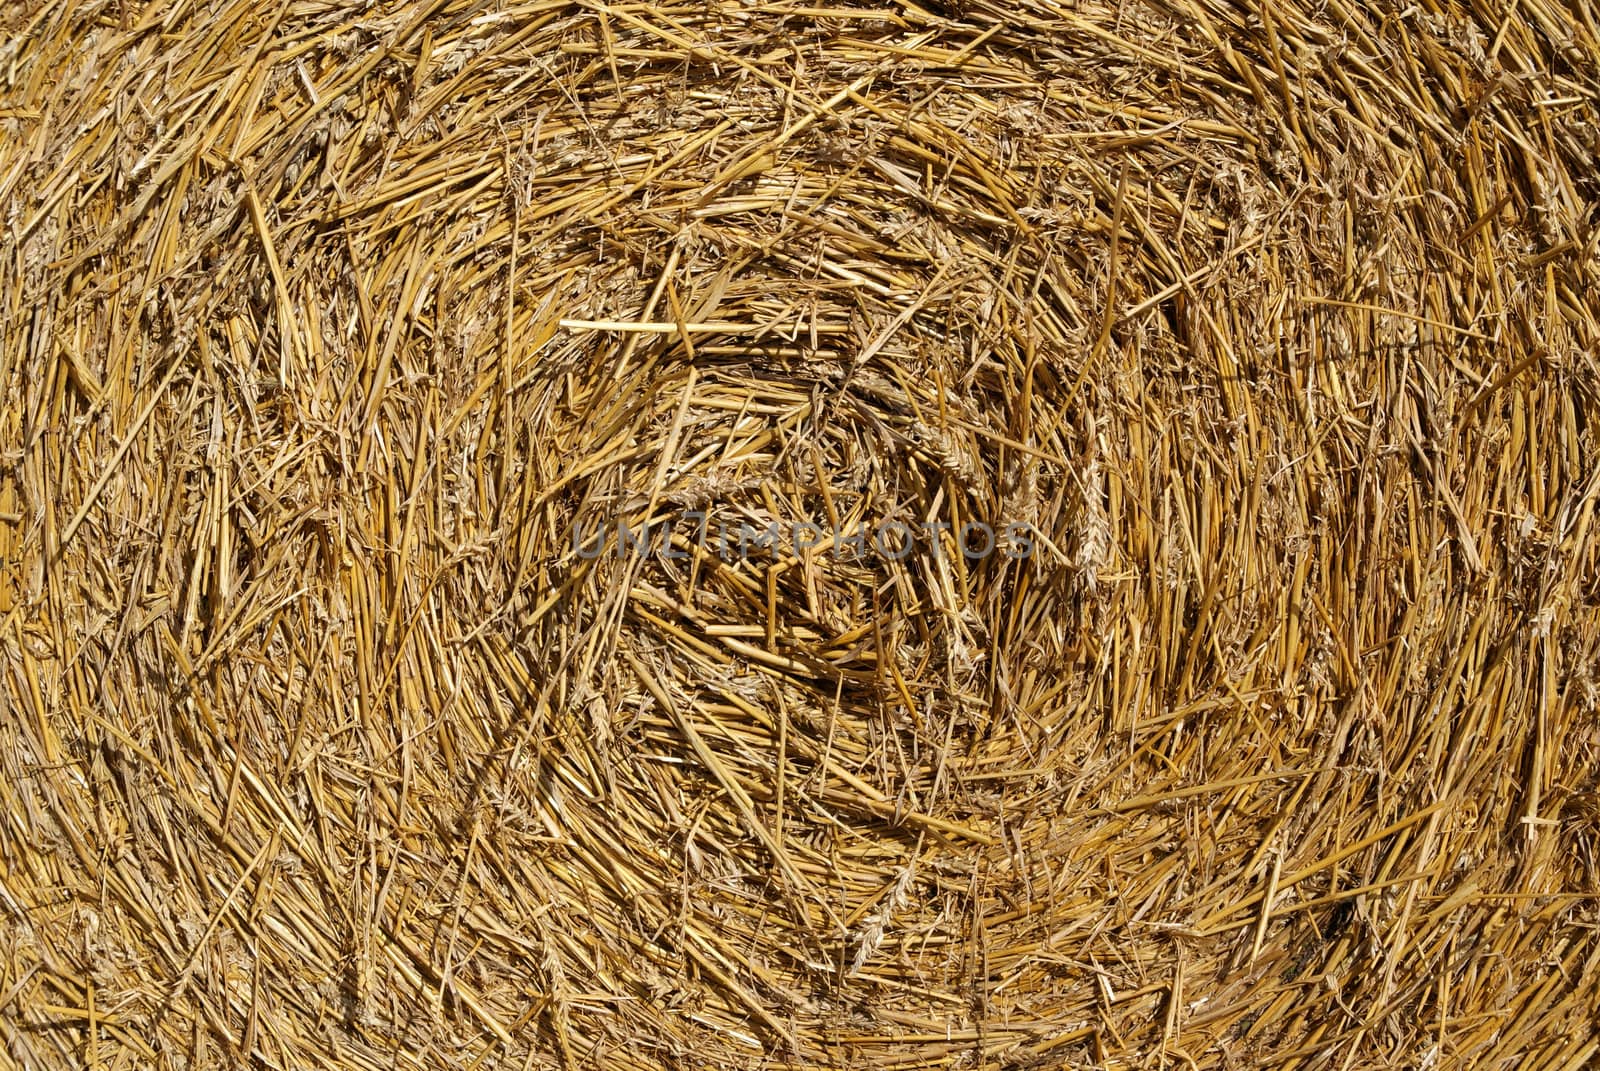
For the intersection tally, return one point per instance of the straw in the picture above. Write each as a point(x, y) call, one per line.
point(1259, 342)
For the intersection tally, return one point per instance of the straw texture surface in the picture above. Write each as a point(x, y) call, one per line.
point(329, 327)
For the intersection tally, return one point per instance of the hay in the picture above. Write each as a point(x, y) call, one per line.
point(324, 325)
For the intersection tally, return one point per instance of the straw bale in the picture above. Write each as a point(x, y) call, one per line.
point(325, 325)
